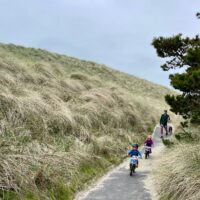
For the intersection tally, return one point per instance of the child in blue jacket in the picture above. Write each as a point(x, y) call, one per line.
point(134, 151)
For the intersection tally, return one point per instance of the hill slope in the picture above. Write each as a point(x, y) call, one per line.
point(64, 121)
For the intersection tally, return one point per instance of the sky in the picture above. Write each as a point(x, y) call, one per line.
point(117, 33)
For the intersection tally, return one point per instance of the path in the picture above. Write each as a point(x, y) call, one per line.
point(118, 185)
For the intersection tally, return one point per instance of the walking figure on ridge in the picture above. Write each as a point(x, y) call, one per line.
point(163, 122)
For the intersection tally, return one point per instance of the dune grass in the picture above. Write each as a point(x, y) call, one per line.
point(178, 173)
point(64, 121)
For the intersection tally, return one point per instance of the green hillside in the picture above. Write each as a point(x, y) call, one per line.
point(65, 121)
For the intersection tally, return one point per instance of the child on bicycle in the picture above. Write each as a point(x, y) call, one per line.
point(149, 142)
point(135, 152)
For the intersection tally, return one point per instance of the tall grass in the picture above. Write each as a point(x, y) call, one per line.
point(64, 121)
point(178, 172)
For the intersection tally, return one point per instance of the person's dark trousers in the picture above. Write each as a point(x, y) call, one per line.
point(165, 127)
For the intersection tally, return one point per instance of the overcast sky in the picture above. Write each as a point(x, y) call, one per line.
point(117, 33)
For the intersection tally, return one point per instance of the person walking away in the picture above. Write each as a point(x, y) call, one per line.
point(163, 122)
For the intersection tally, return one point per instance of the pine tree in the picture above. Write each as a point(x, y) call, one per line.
point(182, 52)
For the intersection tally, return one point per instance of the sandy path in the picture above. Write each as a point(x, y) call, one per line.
point(118, 185)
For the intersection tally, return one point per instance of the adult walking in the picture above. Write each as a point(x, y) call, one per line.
point(163, 122)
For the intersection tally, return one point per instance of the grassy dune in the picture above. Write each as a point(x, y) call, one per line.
point(64, 121)
point(177, 174)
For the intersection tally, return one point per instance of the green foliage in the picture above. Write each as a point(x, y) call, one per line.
point(9, 195)
point(185, 137)
point(168, 143)
point(150, 129)
point(79, 77)
point(183, 52)
point(187, 134)
point(59, 190)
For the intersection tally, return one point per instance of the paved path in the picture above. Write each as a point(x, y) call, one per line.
point(118, 185)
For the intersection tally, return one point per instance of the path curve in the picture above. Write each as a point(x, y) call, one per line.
point(118, 185)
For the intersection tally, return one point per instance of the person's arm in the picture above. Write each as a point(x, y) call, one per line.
point(139, 153)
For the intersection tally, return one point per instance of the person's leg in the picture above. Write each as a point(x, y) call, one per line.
point(170, 130)
point(130, 166)
point(166, 129)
